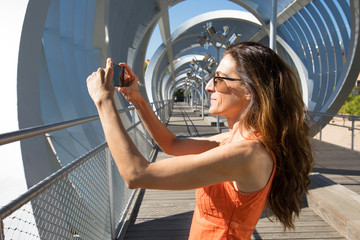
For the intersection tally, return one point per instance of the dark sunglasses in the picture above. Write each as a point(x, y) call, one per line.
point(226, 78)
point(217, 80)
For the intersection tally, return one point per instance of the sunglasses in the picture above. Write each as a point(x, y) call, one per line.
point(219, 83)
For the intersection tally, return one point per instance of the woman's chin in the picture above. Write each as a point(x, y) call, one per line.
point(213, 111)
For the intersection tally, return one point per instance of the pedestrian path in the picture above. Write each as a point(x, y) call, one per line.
point(168, 214)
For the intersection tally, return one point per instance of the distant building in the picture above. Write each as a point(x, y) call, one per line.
point(356, 89)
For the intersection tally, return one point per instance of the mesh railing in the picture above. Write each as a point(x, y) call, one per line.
point(349, 123)
point(86, 199)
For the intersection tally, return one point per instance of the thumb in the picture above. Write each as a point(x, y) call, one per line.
point(124, 90)
point(109, 71)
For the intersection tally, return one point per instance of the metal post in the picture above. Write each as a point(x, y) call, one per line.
point(320, 129)
point(133, 122)
point(202, 98)
point(196, 100)
point(217, 117)
point(2, 236)
point(147, 141)
point(111, 193)
point(191, 99)
point(162, 111)
point(352, 133)
point(273, 24)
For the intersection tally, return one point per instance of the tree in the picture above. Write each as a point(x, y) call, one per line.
point(353, 106)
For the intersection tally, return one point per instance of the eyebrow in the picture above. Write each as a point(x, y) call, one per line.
point(218, 73)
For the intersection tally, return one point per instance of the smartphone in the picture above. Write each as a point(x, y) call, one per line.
point(118, 78)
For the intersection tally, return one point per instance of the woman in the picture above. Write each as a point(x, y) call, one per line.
point(263, 161)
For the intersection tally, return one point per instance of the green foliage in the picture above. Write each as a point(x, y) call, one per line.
point(146, 64)
point(351, 105)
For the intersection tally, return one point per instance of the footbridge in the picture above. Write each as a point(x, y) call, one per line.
point(328, 212)
point(58, 179)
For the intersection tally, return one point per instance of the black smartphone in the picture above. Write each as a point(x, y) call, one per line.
point(118, 78)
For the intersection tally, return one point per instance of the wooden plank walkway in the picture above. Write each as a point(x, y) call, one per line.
point(168, 214)
point(338, 164)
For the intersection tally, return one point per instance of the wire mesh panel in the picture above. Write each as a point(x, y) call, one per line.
point(76, 206)
point(21, 224)
point(83, 200)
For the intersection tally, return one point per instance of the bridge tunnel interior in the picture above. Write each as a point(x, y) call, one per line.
point(62, 42)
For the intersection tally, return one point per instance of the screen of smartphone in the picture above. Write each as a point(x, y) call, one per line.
point(118, 78)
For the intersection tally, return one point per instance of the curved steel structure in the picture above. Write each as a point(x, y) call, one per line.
point(63, 41)
point(318, 38)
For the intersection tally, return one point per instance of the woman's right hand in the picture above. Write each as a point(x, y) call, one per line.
point(131, 89)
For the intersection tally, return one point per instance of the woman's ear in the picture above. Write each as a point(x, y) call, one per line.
point(247, 94)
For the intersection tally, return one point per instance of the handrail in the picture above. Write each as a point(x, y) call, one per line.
point(331, 115)
point(21, 134)
point(40, 187)
point(350, 117)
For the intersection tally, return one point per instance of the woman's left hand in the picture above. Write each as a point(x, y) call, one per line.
point(99, 83)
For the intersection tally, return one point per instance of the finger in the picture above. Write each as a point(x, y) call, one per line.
point(125, 91)
point(109, 70)
point(128, 70)
point(101, 72)
point(122, 90)
point(109, 63)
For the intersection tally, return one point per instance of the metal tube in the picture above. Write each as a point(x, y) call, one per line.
point(111, 193)
point(273, 25)
point(147, 142)
point(133, 120)
point(2, 236)
point(21, 134)
point(47, 182)
point(320, 131)
point(37, 189)
point(352, 133)
point(218, 61)
point(191, 99)
point(38, 130)
point(121, 225)
point(202, 98)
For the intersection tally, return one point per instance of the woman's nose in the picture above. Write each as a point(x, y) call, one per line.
point(210, 87)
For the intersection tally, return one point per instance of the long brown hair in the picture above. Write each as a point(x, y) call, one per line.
point(278, 112)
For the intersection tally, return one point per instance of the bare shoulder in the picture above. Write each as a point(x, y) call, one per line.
point(254, 164)
point(250, 157)
point(247, 148)
point(219, 137)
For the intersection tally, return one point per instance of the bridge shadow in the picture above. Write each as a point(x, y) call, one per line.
point(174, 227)
point(337, 171)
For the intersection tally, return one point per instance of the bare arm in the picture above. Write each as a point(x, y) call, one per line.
point(224, 163)
point(168, 142)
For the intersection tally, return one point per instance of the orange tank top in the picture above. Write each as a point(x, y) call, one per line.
point(222, 212)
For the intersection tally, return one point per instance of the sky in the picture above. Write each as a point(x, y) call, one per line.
point(185, 10)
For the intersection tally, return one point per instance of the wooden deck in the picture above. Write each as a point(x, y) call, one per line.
point(168, 214)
